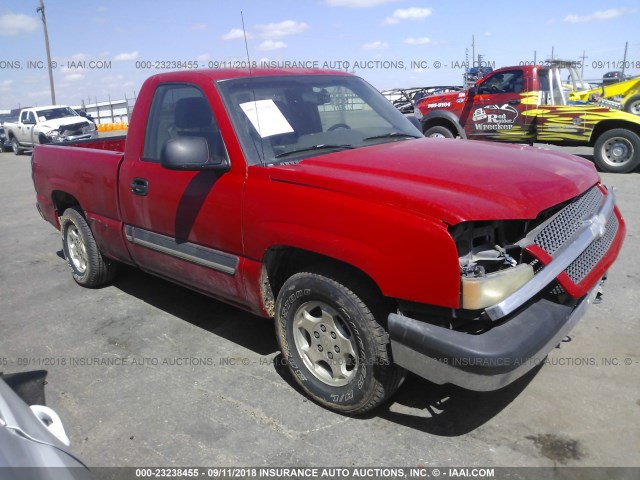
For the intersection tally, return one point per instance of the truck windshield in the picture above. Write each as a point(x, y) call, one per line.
point(288, 118)
point(58, 112)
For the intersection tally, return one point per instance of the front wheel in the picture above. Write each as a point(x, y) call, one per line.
point(617, 151)
point(335, 347)
point(17, 149)
point(88, 267)
point(439, 132)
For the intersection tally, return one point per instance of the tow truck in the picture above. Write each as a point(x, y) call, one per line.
point(530, 103)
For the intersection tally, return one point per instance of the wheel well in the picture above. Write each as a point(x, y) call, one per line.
point(62, 201)
point(606, 125)
point(279, 263)
point(439, 122)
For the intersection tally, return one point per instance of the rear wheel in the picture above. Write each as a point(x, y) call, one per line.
point(633, 105)
point(617, 151)
point(17, 149)
point(439, 132)
point(333, 342)
point(88, 267)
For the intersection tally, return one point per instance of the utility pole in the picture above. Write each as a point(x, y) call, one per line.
point(624, 60)
point(40, 10)
point(473, 49)
point(583, 58)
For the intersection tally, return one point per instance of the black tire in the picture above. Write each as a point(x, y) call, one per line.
point(632, 105)
point(17, 149)
point(345, 364)
point(89, 267)
point(439, 132)
point(617, 151)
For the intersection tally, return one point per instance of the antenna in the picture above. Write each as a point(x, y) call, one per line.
point(246, 45)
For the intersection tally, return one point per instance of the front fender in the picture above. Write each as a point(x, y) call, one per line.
point(436, 117)
point(408, 255)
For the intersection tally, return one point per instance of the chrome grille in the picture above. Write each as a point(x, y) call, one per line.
point(568, 221)
point(588, 259)
point(74, 128)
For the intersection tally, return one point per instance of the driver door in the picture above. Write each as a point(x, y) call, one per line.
point(497, 111)
point(184, 225)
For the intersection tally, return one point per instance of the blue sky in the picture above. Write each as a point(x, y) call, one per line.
point(100, 47)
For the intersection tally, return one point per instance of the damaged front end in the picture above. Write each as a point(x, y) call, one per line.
point(68, 133)
point(523, 285)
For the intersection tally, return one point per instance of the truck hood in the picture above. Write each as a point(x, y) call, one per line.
point(60, 122)
point(451, 180)
point(444, 100)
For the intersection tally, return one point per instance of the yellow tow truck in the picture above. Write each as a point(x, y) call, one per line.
point(624, 95)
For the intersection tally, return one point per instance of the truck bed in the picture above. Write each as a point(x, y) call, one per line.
point(87, 171)
point(113, 143)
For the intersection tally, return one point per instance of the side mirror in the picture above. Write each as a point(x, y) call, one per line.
point(472, 91)
point(191, 153)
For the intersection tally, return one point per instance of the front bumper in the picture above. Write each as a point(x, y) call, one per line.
point(73, 138)
point(488, 361)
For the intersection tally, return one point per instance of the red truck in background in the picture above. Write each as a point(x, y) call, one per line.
point(530, 104)
point(306, 197)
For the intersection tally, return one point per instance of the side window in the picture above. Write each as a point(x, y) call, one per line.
point(503, 82)
point(179, 110)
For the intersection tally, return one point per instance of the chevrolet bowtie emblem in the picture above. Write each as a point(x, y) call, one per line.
point(598, 225)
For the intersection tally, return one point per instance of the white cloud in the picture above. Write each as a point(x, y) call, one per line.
point(73, 77)
point(198, 26)
point(271, 45)
point(417, 41)
point(78, 57)
point(126, 56)
point(113, 78)
point(413, 13)
point(5, 85)
point(203, 57)
point(235, 34)
point(377, 45)
point(16, 23)
point(357, 3)
point(600, 15)
point(282, 29)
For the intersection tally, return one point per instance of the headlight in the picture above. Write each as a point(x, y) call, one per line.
point(484, 291)
point(52, 134)
point(89, 128)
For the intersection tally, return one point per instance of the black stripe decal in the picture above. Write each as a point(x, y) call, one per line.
point(207, 257)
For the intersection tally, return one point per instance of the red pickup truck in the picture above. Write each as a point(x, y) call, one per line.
point(305, 196)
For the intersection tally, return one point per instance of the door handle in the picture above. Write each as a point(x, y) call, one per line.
point(514, 102)
point(139, 186)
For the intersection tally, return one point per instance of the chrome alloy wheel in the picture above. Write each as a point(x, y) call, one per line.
point(76, 248)
point(325, 343)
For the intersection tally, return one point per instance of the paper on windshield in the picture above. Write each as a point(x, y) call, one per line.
point(266, 117)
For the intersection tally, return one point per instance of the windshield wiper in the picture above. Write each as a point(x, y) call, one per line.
point(315, 147)
point(391, 135)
